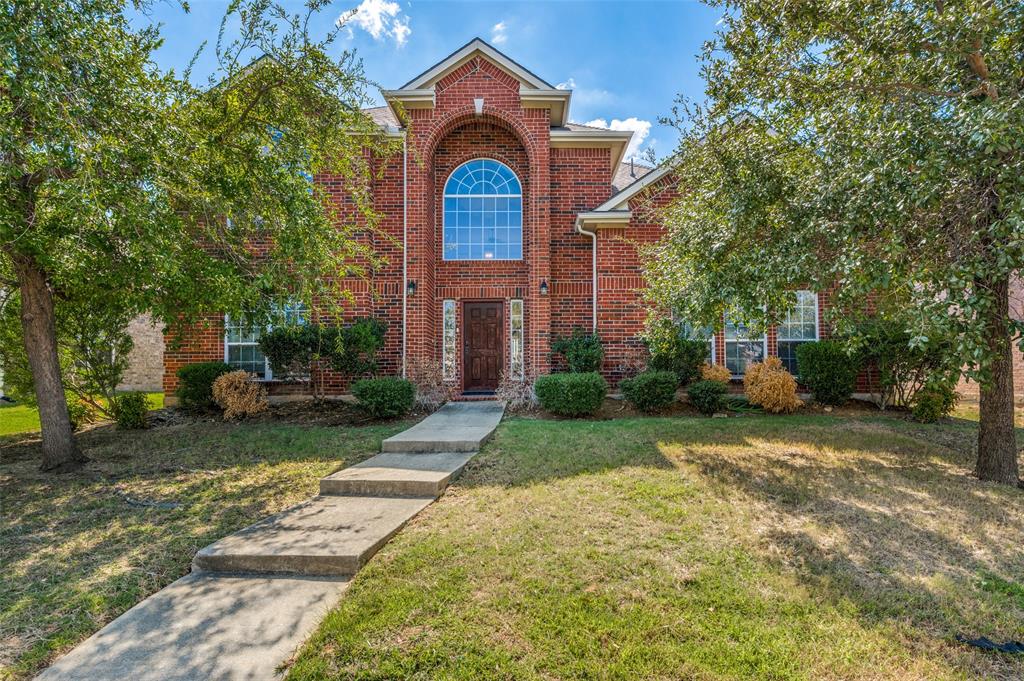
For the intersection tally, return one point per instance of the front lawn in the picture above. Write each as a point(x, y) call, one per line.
point(77, 550)
point(803, 547)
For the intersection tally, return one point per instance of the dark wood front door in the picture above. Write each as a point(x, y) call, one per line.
point(483, 350)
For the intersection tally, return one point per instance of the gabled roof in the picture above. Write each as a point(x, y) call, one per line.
point(464, 54)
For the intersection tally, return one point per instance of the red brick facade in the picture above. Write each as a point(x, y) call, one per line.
point(565, 171)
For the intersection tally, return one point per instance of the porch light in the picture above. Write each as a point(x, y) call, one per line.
point(544, 287)
point(410, 288)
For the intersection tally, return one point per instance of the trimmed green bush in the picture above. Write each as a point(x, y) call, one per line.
point(673, 350)
point(707, 396)
point(290, 349)
point(934, 402)
point(195, 384)
point(828, 370)
point(582, 351)
point(650, 391)
point(574, 394)
point(130, 410)
point(385, 398)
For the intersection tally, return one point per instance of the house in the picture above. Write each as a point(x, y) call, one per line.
point(509, 225)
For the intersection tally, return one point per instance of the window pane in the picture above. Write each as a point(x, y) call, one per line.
point(485, 195)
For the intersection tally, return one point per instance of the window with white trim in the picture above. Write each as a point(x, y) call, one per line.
point(449, 346)
point(701, 333)
point(742, 347)
point(515, 336)
point(242, 341)
point(483, 212)
point(800, 326)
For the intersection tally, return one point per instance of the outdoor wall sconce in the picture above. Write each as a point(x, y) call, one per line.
point(544, 287)
point(410, 288)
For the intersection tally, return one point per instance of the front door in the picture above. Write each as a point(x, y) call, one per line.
point(483, 348)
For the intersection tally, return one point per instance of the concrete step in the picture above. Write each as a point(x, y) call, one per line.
point(455, 427)
point(398, 474)
point(327, 535)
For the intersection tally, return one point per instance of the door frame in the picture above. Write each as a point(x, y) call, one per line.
point(464, 332)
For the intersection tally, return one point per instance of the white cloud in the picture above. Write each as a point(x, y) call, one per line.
point(498, 34)
point(382, 19)
point(641, 129)
point(569, 84)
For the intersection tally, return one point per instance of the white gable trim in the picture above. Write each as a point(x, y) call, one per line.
point(467, 52)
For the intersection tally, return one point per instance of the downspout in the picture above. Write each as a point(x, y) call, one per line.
point(405, 244)
point(593, 267)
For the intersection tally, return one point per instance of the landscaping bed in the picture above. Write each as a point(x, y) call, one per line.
point(785, 547)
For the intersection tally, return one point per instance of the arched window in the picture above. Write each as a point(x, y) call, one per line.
point(483, 212)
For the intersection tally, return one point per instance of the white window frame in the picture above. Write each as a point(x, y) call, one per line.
point(817, 325)
point(521, 373)
point(522, 212)
point(725, 344)
point(268, 373)
point(692, 335)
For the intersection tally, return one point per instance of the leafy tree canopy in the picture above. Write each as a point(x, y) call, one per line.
point(872, 145)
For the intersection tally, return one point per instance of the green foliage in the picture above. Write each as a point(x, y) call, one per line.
point(79, 412)
point(290, 350)
point(572, 394)
point(129, 410)
point(905, 363)
point(385, 398)
point(672, 350)
point(829, 370)
point(582, 351)
point(353, 349)
point(934, 402)
point(708, 397)
point(195, 384)
point(650, 391)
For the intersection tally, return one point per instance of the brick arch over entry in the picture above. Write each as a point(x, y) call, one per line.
point(442, 141)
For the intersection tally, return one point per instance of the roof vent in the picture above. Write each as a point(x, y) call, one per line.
point(632, 170)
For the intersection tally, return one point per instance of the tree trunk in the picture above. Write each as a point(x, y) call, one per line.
point(60, 453)
point(997, 442)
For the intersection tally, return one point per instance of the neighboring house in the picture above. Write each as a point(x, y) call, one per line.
point(507, 225)
point(146, 360)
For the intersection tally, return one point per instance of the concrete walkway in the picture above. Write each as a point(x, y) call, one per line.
point(255, 595)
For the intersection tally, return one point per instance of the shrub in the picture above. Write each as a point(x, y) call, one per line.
point(828, 370)
point(707, 396)
point(575, 394)
point(385, 398)
point(290, 349)
point(934, 402)
point(582, 351)
point(651, 390)
point(672, 350)
point(716, 373)
point(79, 413)
point(195, 387)
point(771, 387)
point(428, 377)
point(130, 410)
point(353, 349)
point(239, 395)
point(517, 394)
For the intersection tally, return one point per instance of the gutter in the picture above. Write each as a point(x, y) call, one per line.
point(593, 273)
point(405, 244)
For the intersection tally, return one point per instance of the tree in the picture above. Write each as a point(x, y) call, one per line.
point(872, 145)
point(129, 189)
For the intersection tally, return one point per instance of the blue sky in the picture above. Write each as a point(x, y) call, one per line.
point(626, 61)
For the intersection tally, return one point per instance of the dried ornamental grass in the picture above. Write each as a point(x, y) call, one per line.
point(239, 395)
point(431, 389)
point(771, 387)
point(715, 372)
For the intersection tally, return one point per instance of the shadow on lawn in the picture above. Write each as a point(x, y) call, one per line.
point(878, 513)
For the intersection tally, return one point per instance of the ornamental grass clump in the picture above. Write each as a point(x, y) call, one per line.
point(239, 395)
point(771, 387)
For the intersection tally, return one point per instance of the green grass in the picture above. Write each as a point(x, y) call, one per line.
point(77, 550)
point(803, 547)
point(17, 418)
